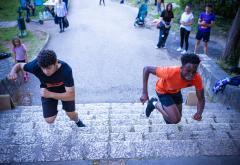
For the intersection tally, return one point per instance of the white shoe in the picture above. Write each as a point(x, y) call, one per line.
point(179, 49)
point(184, 52)
point(156, 47)
point(164, 47)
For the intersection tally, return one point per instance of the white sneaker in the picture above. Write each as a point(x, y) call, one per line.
point(156, 47)
point(184, 52)
point(164, 47)
point(179, 49)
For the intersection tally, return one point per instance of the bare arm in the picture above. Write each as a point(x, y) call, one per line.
point(199, 21)
point(69, 95)
point(16, 68)
point(146, 71)
point(211, 24)
point(158, 20)
point(190, 23)
point(200, 104)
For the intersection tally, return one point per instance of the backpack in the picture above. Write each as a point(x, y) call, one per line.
point(221, 84)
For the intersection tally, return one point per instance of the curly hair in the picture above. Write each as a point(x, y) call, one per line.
point(190, 58)
point(46, 58)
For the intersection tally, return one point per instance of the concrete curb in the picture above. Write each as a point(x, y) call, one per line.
point(46, 41)
point(211, 73)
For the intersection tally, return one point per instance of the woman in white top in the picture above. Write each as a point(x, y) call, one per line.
point(186, 21)
point(60, 11)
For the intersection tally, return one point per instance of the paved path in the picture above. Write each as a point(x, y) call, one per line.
point(7, 24)
point(106, 52)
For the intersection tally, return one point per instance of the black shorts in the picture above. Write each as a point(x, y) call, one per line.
point(50, 106)
point(205, 36)
point(170, 99)
point(21, 61)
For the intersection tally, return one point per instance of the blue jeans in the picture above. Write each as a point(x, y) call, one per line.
point(163, 34)
point(159, 8)
point(60, 22)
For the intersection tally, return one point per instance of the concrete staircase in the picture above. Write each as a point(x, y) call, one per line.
point(117, 131)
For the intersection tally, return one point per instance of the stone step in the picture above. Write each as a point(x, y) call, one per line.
point(102, 108)
point(119, 113)
point(116, 131)
point(56, 151)
point(189, 131)
point(104, 121)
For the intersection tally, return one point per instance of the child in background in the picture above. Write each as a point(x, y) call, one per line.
point(20, 54)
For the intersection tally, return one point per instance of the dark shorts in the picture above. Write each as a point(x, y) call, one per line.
point(21, 61)
point(170, 99)
point(50, 106)
point(205, 36)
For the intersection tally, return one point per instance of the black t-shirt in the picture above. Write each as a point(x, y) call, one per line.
point(167, 16)
point(55, 83)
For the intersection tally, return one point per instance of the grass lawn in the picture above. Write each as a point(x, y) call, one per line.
point(33, 41)
point(8, 10)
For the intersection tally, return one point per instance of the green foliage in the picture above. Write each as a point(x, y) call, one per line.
point(224, 8)
point(226, 67)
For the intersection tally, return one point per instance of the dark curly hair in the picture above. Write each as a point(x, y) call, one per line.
point(190, 58)
point(46, 58)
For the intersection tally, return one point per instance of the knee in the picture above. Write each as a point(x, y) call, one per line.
point(176, 120)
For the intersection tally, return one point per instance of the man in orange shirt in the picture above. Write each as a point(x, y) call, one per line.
point(168, 87)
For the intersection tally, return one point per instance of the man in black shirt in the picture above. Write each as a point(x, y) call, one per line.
point(56, 81)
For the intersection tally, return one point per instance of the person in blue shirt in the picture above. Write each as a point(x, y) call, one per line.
point(205, 22)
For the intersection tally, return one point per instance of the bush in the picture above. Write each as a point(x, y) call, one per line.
point(224, 8)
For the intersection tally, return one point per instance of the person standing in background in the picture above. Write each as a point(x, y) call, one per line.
point(100, 2)
point(60, 11)
point(185, 27)
point(165, 21)
point(159, 5)
point(20, 54)
point(205, 22)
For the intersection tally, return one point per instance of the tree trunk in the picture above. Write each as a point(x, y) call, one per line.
point(231, 53)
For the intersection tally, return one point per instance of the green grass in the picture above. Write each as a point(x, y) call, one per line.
point(6, 34)
point(8, 10)
point(34, 40)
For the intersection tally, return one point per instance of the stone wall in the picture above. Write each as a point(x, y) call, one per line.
point(211, 73)
point(7, 86)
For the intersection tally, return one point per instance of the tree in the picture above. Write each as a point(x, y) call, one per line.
point(231, 53)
